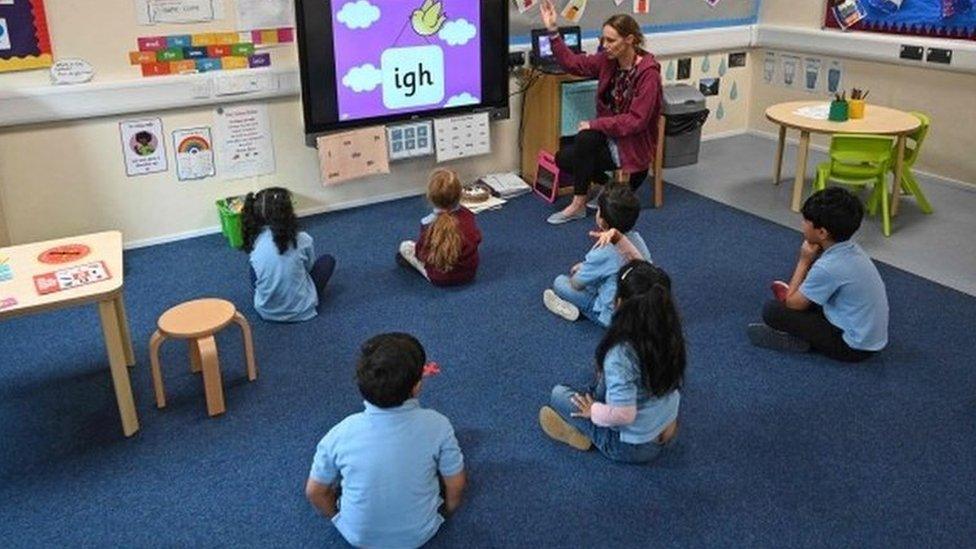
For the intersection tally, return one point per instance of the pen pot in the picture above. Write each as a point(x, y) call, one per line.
point(856, 107)
point(839, 111)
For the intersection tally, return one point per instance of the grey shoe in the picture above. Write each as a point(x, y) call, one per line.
point(762, 335)
point(559, 218)
point(559, 306)
point(594, 203)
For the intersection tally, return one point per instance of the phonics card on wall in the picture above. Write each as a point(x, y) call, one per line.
point(462, 136)
point(353, 154)
point(143, 146)
point(245, 147)
point(152, 12)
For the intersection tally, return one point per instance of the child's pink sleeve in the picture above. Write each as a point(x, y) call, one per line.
point(605, 415)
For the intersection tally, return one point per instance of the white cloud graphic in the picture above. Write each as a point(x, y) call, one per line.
point(462, 99)
point(363, 78)
point(358, 15)
point(458, 32)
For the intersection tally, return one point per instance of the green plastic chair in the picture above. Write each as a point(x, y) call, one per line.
point(913, 145)
point(856, 161)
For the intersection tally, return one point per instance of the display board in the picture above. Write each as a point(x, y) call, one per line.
point(934, 18)
point(663, 15)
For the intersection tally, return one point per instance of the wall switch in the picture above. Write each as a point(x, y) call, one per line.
point(202, 88)
point(939, 55)
point(914, 53)
point(238, 84)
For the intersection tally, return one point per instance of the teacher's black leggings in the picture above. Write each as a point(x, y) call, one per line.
point(587, 160)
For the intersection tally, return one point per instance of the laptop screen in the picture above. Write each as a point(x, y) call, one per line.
point(542, 46)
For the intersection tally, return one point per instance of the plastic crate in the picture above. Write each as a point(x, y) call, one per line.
point(231, 223)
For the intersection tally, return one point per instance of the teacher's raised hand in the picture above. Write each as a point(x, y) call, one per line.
point(548, 15)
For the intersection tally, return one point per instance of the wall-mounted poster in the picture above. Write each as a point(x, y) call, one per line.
point(936, 18)
point(24, 40)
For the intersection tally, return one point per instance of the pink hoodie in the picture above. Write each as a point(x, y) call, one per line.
point(634, 131)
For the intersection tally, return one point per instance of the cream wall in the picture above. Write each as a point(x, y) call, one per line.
point(947, 97)
point(68, 178)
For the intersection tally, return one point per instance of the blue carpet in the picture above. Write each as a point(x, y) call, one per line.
point(774, 450)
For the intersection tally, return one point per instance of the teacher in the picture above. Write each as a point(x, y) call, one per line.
point(628, 105)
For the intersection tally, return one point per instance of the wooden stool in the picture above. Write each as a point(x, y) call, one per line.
point(657, 167)
point(198, 321)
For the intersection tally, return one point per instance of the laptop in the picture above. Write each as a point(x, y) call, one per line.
point(542, 57)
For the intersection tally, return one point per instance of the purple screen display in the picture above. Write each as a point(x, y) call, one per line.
point(396, 56)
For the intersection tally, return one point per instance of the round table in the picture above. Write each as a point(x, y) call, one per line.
point(877, 120)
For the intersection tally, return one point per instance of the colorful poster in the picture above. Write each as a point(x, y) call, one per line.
point(245, 146)
point(143, 147)
point(24, 40)
point(394, 56)
point(935, 18)
point(573, 11)
point(642, 6)
point(525, 5)
point(353, 154)
point(194, 154)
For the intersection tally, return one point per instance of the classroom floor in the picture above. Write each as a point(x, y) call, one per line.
point(738, 171)
point(774, 450)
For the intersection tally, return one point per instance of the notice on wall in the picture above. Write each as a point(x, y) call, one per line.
point(265, 14)
point(143, 147)
point(353, 154)
point(153, 12)
point(770, 64)
point(790, 68)
point(194, 154)
point(835, 76)
point(245, 146)
point(462, 136)
point(812, 74)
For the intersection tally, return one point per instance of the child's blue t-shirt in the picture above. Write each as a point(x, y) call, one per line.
point(622, 380)
point(283, 289)
point(848, 286)
point(387, 461)
point(598, 274)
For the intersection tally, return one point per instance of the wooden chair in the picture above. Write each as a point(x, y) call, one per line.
point(197, 321)
point(657, 167)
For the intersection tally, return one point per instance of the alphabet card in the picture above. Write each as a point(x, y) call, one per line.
point(462, 136)
point(353, 154)
point(71, 277)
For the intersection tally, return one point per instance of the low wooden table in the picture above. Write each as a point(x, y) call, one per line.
point(877, 121)
point(106, 247)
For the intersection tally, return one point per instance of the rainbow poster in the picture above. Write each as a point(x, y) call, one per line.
point(194, 154)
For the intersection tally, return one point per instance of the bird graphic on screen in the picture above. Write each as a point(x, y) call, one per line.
point(429, 18)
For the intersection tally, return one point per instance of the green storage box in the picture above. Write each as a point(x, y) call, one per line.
point(230, 220)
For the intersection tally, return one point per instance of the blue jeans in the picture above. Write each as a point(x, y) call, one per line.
point(583, 299)
point(321, 272)
point(606, 440)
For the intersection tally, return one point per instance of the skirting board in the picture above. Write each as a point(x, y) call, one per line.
point(941, 179)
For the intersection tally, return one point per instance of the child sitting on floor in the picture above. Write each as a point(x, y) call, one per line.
point(288, 286)
point(591, 285)
point(447, 251)
point(376, 474)
point(835, 303)
point(632, 410)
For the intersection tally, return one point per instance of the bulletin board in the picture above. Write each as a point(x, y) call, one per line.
point(932, 18)
point(24, 40)
point(664, 16)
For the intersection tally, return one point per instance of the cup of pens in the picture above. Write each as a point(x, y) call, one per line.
point(856, 104)
point(839, 108)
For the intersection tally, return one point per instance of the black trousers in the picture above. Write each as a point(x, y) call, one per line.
point(588, 159)
point(813, 327)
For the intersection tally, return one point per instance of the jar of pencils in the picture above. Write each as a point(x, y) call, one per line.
point(856, 108)
point(839, 111)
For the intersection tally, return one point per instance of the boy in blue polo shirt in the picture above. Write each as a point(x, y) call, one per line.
point(836, 302)
point(591, 286)
point(376, 474)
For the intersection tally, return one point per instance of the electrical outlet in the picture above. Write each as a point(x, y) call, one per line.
point(914, 53)
point(939, 55)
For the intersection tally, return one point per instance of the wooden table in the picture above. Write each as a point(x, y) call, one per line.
point(107, 247)
point(877, 121)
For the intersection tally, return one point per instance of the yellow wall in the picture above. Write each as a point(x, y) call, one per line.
point(947, 97)
point(68, 178)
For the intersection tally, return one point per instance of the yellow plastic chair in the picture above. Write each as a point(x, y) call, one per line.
point(856, 161)
point(913, 145)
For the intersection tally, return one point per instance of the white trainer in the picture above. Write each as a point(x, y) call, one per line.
point(559, 306)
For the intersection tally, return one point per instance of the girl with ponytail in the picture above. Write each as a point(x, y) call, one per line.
point(288, 281)
point(631, 412)
point(447, 251)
